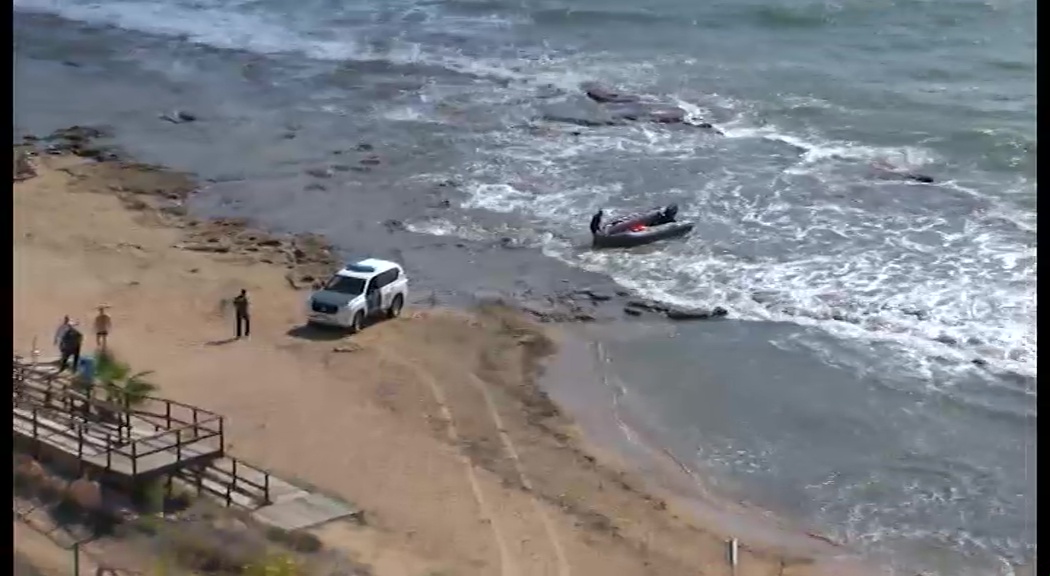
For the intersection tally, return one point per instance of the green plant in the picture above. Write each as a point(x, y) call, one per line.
point(278, 565)
point(148, 495)
point(121, 385)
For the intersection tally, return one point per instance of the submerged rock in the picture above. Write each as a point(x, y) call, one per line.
point(179, 117)
point(675, 313)
point(604, 94)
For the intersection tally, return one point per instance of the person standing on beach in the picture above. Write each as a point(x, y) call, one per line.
point(240, 308)
point(103, 323)
point(69, 347)
point(61, 331)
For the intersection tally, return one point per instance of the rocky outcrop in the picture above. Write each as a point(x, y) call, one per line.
point(620, 107)
point(593, 305)
point(78, 140)
point(605, 95)
point(160, 194)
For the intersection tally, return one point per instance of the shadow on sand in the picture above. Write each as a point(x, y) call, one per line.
point(318, 333)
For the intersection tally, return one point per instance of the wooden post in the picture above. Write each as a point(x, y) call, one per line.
point(733, 556)
point(266, 487)
point(127, 414)
point(76, 559)
point(167, 414)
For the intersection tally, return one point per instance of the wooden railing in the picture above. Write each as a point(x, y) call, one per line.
point(110, 426)
point(231, 481)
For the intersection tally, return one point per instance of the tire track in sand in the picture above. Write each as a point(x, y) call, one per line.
point(564, 569)
point(507, 566)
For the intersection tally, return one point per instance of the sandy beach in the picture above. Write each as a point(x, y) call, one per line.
point(432, 423)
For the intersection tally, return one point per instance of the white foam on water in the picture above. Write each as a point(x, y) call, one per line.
point(239, 25)
point(442, 227)
point(940, 295)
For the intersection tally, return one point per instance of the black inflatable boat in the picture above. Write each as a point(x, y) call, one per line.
point(638, 229)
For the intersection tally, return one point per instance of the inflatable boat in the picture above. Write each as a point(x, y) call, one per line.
point(638, 229)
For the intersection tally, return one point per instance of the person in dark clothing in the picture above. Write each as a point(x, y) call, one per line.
point(240, 308)
point(596, 221)
point(69, 347)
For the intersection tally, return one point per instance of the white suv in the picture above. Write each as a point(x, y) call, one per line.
point(359, 291)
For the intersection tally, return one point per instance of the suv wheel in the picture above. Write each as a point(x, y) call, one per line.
point(395, 307)
point(358, 323)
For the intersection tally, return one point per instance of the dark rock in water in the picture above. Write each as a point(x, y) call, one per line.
point(96, 153)
point(393, 225)
point(915, 312)
point(919, 178)
point(631, 311)
point(594, 296)
point(604, 95)
point(370, 160)
point(585, 122)
point(71, 63)
point(676, 313)
point(315, 186)
point(645, 112)
point(78, 133)
point(319, 172)
point(288, 135)
point(666, 115)
point(179, 117)
point(979, 362)
point(364, 147)
point(709, 126)
point(647, 305)
point(947, 340)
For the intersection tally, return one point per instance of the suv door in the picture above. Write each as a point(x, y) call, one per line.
point(382, 280)
point(373, 297)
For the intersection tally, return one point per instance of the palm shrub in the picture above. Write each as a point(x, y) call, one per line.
point(119, 383)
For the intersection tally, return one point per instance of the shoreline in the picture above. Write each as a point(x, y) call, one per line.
point(304, 258)
point(622, 436)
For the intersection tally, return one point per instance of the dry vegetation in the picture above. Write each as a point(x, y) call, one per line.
point(158, 533)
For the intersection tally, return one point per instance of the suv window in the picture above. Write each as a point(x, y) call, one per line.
point(345, 285)
point(386, 278)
